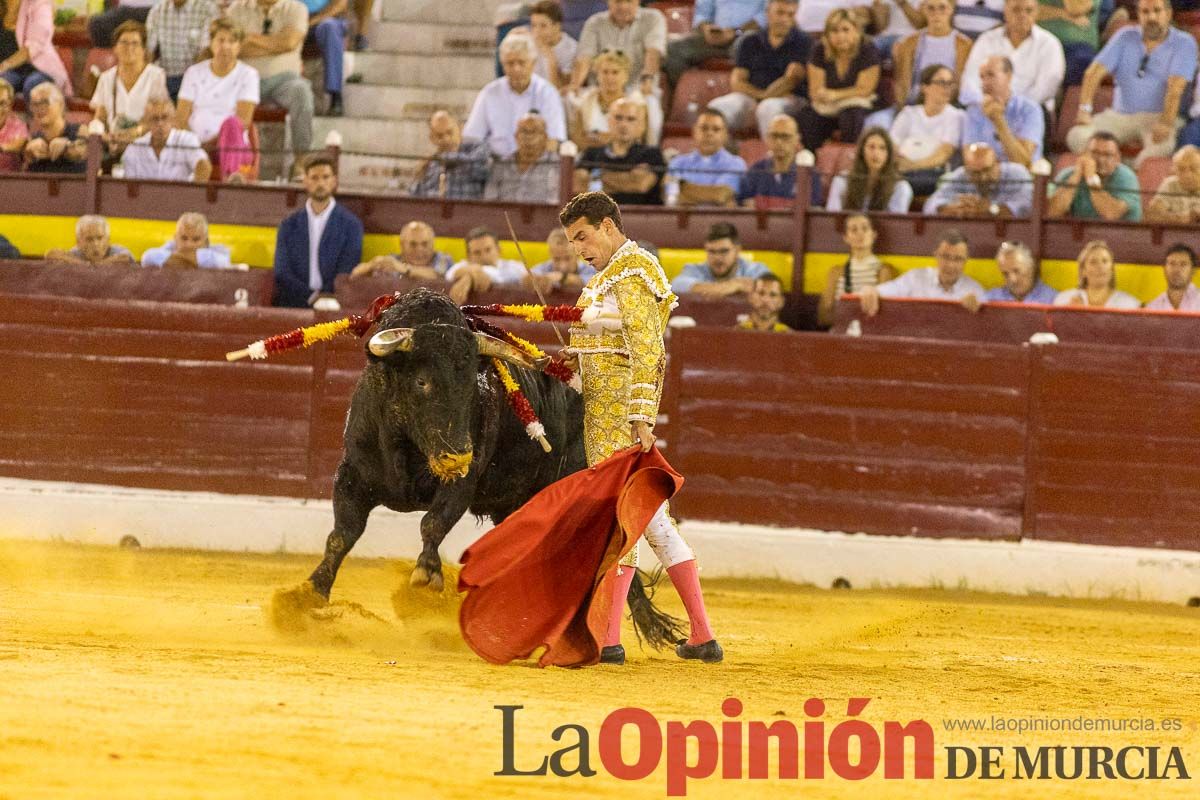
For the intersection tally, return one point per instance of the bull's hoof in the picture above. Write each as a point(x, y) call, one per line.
point(436, 582)
point(292, 608)
point(422, 577)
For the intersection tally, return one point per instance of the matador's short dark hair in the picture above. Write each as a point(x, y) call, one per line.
point(592, 206)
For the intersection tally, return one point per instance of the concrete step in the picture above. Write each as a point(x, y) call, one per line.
point(448, 71)
point(432, 38)
point(478, 12)
point(370, 135)
point(406, 103)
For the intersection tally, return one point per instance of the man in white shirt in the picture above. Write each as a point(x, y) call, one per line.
point(1036, 54)
point(165, 153)
point(275, 31)
point(483, 267)
point(946, 281)
point(502, 102)
point(1181, 293)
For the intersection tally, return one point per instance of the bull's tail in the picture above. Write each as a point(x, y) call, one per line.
point(651, 624)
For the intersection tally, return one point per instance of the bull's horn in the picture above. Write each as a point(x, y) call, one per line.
point(391, 340)
point(491, 347)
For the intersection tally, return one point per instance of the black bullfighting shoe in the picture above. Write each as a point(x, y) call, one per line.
point(710, 652)
point(613, 654)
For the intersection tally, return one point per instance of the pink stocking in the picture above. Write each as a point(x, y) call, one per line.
point(686, 580)
point(621, 582)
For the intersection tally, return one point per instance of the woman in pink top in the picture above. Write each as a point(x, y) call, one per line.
point(27, 54)
point(13, 132)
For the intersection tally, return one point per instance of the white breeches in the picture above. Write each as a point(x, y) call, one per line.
point(662, 534)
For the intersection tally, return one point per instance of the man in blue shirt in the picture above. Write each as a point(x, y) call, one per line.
point(1151, 65)
point(774, 177)
point(1022, 277)
point(1009, 123)
point(1099, 186)
point(716, 26)
point(327, 30)
point(710, 174)
point(724, 272)
point(983, 187)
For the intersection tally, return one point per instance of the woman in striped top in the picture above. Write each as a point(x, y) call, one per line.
point(863, 268)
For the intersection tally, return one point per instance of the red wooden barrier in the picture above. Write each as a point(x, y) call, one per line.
point(874, 435)
point(886, 435)
point(1014, 323)
point(108, 282)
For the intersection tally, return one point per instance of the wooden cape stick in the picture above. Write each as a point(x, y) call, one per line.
point(512, 232)
point(532, 278)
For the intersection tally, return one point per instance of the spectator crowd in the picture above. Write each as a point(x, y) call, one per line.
point(938, 108)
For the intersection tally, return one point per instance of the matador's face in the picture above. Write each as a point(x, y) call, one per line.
point(594, 244)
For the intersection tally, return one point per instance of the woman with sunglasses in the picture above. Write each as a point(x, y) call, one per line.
point(927, 134)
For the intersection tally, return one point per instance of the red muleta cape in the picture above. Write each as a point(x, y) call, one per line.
point(542, 577)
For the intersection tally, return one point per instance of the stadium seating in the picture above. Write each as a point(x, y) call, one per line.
point(695, 88)
point(1069, 111)
point(679, 16)
point(98, 60)
point(1151, 173)
point(752, 150)
point(832, 159)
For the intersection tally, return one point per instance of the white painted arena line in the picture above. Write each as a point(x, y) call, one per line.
point(244, 523)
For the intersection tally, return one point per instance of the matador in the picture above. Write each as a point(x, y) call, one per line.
point(622, 363)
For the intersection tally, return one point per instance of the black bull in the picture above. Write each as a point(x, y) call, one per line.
point(429, 430)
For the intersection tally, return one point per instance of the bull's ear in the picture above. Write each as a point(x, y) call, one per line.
point(392, 340)
point(491, 347)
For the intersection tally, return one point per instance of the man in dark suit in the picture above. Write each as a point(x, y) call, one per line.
point(317, 243)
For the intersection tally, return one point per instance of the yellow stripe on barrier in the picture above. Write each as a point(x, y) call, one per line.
point(255, 245)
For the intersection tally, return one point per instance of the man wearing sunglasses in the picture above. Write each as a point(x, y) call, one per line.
point(1151, 64)
point(275, 31)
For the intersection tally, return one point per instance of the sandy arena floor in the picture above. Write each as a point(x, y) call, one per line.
point(156, 674)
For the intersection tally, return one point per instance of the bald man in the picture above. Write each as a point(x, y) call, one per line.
point(983, 187)
point(629, 171)
point(773, 177)
point(1178, 196)
point(417, 258)
point(456, 169)
point(531, 174)
point(1010, 123)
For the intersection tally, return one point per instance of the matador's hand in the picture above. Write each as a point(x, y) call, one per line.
point(570, 358)
point(642, 435)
